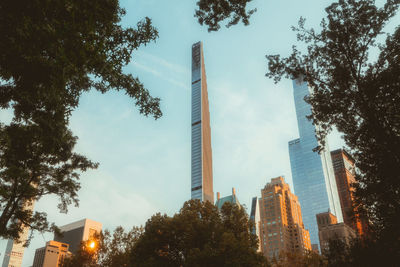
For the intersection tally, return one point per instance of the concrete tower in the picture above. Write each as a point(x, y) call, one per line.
point(15, 248)
point(202, 177)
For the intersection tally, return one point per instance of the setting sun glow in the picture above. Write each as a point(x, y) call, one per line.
point(92, 245)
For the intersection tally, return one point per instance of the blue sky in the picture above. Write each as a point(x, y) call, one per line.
point(145, 164)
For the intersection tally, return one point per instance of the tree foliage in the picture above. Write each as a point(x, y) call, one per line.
point(309, 259)
point(36, 161)
point(199, 235)
point(213, 12)
point(50, 53)
point(108, 251)
point(358, 253)
point(354, 71)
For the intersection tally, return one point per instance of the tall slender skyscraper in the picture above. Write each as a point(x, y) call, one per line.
point(15, 250)
point(313, 178)
point(202, 177)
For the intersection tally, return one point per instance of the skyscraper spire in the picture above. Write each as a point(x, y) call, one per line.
point(202, 176)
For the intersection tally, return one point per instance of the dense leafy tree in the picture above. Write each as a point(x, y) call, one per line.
point(106, 250)
point(309, 259)
point(86, 256)
point(358, 253)
point(36, 160)
point(355, 75)
point(50, 53)
point(212, 12)
point(199, 235)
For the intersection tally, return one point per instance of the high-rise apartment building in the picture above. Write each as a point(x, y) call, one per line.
point(329, 230)
point(75, 233)
point(282, 228)
point(15, 248)
point(313, 178)
point(202, 175)
point(15, 251)
point(343, 166)
point(52, 255)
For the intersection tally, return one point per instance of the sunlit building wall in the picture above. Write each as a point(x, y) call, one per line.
point(15, 251)
point(343, 166)
point(282, 228)
point(15, 248)
point(312, 173)
point(202, 175)
point(52, 255)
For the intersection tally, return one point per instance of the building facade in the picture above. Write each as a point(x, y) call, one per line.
point(15, 248)
point(52, 255)
point(343, 166)
point(329, 230)
point(75, 233)
point(201, 154)
point(230, 199)
point(312, 173)
point(255, 218)
point(282, 228)
point(15, 251)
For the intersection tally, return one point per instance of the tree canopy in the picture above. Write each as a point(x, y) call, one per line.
point(199, 235)
point(213, 12)
point(308, 259)
point(353, 70)
point(109, 250)
point(50, 53)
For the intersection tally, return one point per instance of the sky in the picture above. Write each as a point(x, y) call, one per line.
point(145, 163)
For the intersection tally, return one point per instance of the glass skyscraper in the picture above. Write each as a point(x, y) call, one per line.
point(202, 176)
point(313, 177)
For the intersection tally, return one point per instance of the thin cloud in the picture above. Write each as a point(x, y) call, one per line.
point(252, 145)
point(160, 61)
point(160, 75)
